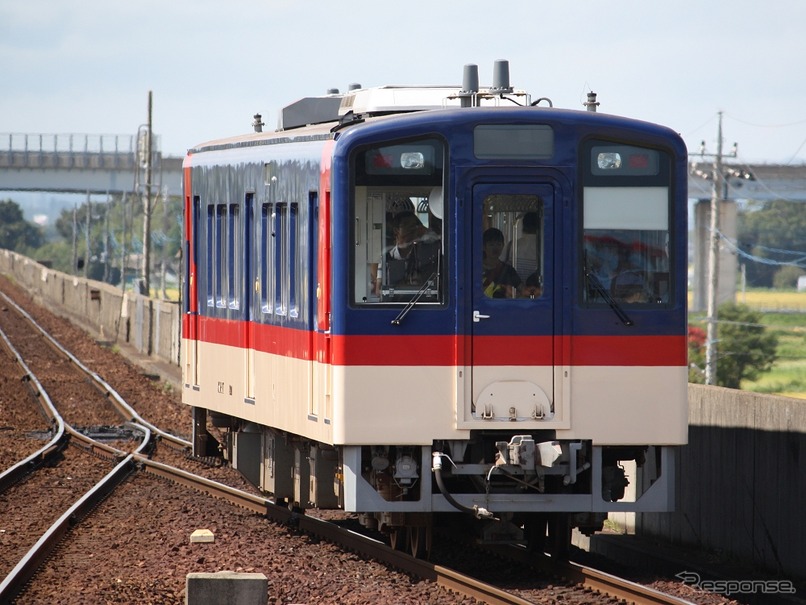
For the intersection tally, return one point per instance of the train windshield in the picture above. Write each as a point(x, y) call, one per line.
point(626, 233)
point(399, 222)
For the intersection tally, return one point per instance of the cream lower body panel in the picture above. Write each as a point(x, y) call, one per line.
point(409, 405)
point(646, 405)
point(282, 390)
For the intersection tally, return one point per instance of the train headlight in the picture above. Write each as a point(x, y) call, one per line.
point(412, 160)
point(609, 160)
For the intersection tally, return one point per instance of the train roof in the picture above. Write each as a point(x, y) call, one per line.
point(318, 118)
point(384, 100)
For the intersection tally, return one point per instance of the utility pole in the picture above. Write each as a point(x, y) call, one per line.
point(145, 287)
point(124, 236)
point(106, 238)
point(88, 252)
point(75, 239)
point(713, 255)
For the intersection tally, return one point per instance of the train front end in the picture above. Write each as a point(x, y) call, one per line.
point(508, 323)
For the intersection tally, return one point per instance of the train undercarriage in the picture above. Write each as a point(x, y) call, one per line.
point(513, 488)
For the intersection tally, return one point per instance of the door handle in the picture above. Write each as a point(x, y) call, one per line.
point(477, 317)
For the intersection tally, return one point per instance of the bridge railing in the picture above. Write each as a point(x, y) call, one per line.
point(68, 151)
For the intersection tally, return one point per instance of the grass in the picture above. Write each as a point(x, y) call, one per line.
point(773, 300)
point(784, 313)
point(788, 374)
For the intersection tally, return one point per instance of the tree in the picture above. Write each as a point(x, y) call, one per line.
point(116, 228)
point(768, 232)
point(15, 232)
point(696, 354)
point(744, 347)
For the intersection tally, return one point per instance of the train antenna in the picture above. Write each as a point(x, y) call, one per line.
point(501, 78)
point(591, 104)
point(470, 84)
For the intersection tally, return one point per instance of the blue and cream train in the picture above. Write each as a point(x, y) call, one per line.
point(412, 301)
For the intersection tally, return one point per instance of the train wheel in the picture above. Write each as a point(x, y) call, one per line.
point(420, 541)
point(535, 530)
point(559, 535)
point(398, 538)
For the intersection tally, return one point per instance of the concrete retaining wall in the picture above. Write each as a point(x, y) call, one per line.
point(151, 326)
point(741, 480)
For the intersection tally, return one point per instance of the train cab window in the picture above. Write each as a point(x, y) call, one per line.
point(399, 223)
point(626, 225)
point(512, 246)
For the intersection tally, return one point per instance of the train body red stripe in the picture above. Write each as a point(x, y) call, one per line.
point(428, 350)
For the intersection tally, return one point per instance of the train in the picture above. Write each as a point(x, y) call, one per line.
point(441, 306)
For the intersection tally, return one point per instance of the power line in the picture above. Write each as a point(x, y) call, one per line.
point(799, 262)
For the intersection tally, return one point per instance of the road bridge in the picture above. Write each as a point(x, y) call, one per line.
point(766, 182)
point(81, 163)
point(99, 163)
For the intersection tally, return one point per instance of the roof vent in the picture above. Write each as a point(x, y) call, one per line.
point(309, 110)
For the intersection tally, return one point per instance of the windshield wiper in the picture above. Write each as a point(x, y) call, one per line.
point(601, 291)
point(415, 299)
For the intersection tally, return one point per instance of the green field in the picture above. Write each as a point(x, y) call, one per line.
point(784, 312)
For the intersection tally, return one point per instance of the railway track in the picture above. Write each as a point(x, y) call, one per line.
point(132, 450)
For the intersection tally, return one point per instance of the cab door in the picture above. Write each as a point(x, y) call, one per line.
point(513, 302)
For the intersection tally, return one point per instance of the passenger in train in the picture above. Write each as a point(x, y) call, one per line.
point(500, 280)
point(525, 260)
point(409, 232)
point(630, 287)
point(414, 257)
point(531, 287)
point(603, 258)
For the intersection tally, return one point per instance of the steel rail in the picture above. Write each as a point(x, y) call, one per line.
point(13, 583)
point(335, 534)
point(594, 579)
point(128, 413)
point(623, 589)
point(60, 438)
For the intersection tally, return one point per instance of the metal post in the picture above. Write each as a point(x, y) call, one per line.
point(146, 285)
point(106, 238)
point(75, 239)
point(88, 252)
point(713, 264)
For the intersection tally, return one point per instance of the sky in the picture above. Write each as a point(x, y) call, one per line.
point(87, 66)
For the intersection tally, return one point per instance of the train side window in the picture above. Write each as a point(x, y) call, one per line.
point(219, 254)
point(266, 259)
point(280, 259)
point(293, 255)
point(210, 260)
point(234, 253)
point(398, 223)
